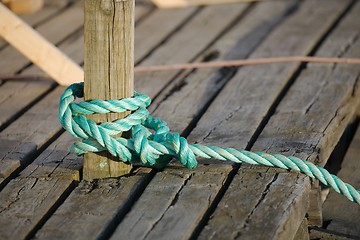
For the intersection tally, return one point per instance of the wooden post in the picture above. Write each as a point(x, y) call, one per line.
point(109, 70)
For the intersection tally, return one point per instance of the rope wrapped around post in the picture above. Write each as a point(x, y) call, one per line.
point(152, 143)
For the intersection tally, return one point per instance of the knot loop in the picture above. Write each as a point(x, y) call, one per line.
point(153, 144)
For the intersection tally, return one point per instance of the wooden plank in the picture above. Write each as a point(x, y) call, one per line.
point(29, 198)
point(52, 174)
point(189, 95)
point(343, 215)
point(73, 46)
point(302, 125)
point(195, 93)
point(77, 55)
point(196, 35)
point(148, 34)
point(48, 230)
point(109, 71)
point(17, 96)
point(25, 136)
point(91, 205)
point(69, 21)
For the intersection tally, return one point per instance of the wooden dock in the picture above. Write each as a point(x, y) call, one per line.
point(306, 110)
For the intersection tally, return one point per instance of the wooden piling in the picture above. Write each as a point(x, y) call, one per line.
point(109, 70)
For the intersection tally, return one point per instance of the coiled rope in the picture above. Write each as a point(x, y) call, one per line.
point(153, 144)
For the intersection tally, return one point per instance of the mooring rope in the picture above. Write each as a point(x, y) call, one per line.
point(153, 144)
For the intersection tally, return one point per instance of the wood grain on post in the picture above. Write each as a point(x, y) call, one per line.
point(109, 70)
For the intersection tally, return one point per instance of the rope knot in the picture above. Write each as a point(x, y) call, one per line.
point(154, 149)
point(153, 144)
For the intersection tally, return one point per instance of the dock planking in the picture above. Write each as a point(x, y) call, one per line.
point(248, 113)
point(302, 125)
point(206, 82)
point(27, 200)
point(199, 33)
point(57, 97)
point(16, 96)
point(100, 227)
point(191, 194)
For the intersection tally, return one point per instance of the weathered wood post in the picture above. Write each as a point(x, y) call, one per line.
point(109, 70)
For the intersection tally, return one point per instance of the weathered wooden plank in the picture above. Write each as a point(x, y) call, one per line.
point(202, 85)
point(343, 215)
point(73, 46)
point(147, 34)
point(91, 206)
point(17, 96)
point(68, 21)
point(69, 48)
point(25, 136)
point(296, 45)
point(26, 200)
point(302, 125)
point(196, 35)
point(188, 95)
point(77, 222)
point(197, 91)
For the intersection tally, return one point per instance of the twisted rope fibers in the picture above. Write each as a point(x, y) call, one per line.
point(153, 144)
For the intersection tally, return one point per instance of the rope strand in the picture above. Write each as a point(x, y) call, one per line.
point(152, 143)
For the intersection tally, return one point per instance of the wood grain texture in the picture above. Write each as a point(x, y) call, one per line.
point(25, 136)
point(77, 221)
point(109, 71)
point(277, 136)
point(16, 96)
point(342, 214)
point(13, 90)
point(195, 37)
point(47, 180)
point(149, 34)
point(91, 206)
point(194, 90)
point(32, 195)
point(73, 46)
point(198, 90)
point(26, 200)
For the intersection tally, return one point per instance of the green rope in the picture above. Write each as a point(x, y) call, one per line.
point(151, 142)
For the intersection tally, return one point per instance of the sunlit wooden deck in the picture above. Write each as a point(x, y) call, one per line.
point(306, 110)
